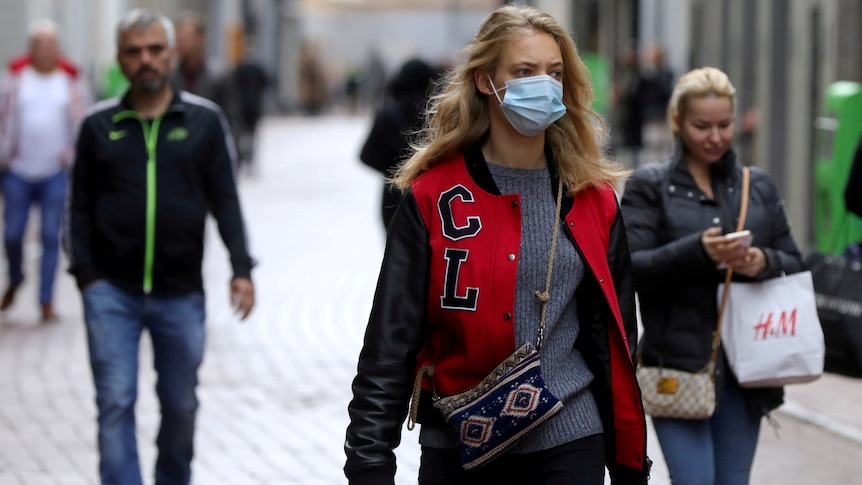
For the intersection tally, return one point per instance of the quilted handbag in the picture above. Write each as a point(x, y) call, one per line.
point(671, 393)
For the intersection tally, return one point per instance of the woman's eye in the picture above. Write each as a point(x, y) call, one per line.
point(557, 75)
point(524, 72)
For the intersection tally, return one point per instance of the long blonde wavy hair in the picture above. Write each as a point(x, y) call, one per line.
point(458, 115)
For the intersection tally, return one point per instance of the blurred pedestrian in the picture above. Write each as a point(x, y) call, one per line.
point(395, 125)
point(656, 85)
point(43, 97)
point(676, 213)
point(196, 72)
point(246, 88)
point(853, 189)
point(351, 91)
point(373, 82)
point(747, 137)
point(313, 93)
point(148, 168)
point(853, 199)
point(627, 110)
point(508, 185)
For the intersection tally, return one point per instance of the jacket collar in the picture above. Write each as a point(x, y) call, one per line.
point(726, 168)
point(477, 167)
point(176, 104)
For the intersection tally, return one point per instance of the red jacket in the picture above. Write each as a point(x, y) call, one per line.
point(22, 61)
point(446, 297)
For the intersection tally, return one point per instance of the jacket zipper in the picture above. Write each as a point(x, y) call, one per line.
point(151, 135)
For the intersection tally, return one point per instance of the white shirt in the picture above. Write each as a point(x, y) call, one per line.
point(44, 128)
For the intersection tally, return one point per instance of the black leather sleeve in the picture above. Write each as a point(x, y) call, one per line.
point(396, 332)
point(595, 319)
point(619, 261)
point(626, 476)
point(853, 190)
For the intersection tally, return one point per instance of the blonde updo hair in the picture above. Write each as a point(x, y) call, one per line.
point(697, 83)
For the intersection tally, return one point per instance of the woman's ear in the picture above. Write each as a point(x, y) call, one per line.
point(483, 83)
point(675, 122)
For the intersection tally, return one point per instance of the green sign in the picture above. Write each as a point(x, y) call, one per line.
point(838, 133)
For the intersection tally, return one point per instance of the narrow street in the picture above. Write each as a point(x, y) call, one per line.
point(274, 389)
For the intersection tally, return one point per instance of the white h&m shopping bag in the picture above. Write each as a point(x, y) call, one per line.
point(771, 332)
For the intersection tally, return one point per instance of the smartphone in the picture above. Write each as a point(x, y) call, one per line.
point(745, 236)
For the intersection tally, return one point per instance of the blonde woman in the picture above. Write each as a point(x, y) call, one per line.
point(676, 213)
point(469, 248)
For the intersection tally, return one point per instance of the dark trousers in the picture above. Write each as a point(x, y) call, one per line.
point(580, 462)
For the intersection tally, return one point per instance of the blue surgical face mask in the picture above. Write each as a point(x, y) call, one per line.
point(532, 103)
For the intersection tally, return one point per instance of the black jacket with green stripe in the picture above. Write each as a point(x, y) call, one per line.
point(141, 191)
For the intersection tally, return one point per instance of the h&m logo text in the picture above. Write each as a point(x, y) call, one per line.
point(774, 325)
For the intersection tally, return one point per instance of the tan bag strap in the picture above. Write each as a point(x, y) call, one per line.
point(417, 391)
point(545, 296)
point(740, 225)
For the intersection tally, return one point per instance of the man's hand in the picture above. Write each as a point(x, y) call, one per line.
point(242, 296)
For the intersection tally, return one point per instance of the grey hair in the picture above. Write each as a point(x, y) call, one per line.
point(43, 26)
point(141, 18)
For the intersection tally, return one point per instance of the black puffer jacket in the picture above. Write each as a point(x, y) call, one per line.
point(853, 190)
point(665, 215)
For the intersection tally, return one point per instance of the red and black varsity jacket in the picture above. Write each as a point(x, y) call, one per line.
point(446, 298)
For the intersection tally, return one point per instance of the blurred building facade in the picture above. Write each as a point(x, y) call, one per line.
point(87, 27)
point(781, 54)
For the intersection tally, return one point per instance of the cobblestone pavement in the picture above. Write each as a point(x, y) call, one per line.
point(274, 389)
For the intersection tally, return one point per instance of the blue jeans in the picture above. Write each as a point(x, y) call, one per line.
point(115, 321)
point(715, 451)
point(19, 195)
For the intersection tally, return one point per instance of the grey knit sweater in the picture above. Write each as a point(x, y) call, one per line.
point(566, 374)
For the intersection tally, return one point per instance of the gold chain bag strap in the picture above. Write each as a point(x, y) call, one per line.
point(511, 401)
point(672, 393)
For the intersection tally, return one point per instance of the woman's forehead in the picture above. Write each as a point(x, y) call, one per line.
point(535, 47)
